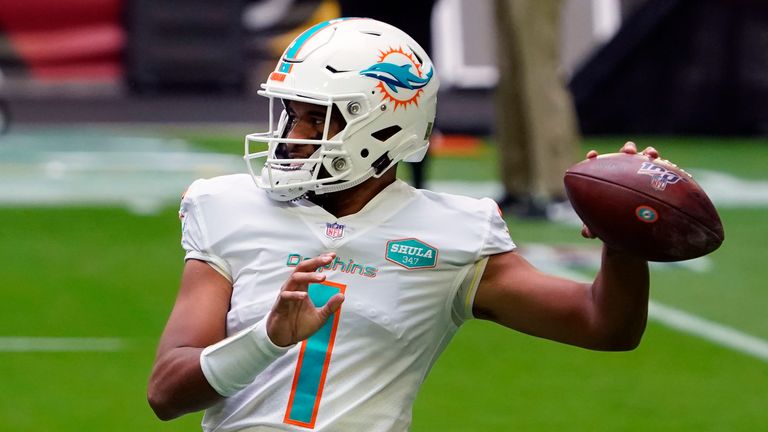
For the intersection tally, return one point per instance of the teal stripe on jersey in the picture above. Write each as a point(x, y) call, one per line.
point(307, 394)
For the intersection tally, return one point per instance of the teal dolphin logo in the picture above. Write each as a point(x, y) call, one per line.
point(397, 76)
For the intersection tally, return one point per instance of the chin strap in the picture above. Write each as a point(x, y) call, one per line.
point(330, 188)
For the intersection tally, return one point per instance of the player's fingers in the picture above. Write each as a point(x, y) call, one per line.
point(306, 272)
point(313, 264)
point(586, 233)
point(293, 296)
point(300, 280)
point(591, 154)
point(629, 147)
point(287, 300)
point(331, 306)
point(651, 152)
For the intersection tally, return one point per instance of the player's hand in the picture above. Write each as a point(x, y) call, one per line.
point(294, 317)
point(629, 148)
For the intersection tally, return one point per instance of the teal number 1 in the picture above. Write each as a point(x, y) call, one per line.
point(314, 358)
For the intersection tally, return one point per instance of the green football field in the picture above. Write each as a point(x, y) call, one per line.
point(106, 273)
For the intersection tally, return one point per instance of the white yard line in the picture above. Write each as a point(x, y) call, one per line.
point(685, 322)
point(668, 316)
point(148, 173)
point(709, 330)
point(61, 344)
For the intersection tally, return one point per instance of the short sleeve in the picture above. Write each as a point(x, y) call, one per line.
point(463, 301)
point(497, 239)
point(194, 234)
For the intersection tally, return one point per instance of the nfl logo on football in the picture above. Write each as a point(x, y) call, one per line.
point(334, 230)
point(660, 177)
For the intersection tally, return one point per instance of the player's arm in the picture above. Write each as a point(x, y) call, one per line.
point(608, 314)
point(196, 366)
point(177, 384)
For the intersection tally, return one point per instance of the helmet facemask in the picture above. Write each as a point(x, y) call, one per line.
point(287, 178)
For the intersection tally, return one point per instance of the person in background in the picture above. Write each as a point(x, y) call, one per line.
point(536, 130)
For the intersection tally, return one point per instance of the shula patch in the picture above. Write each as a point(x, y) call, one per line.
point(411, 253)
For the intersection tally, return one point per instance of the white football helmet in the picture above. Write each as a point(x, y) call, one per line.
point(380, 80)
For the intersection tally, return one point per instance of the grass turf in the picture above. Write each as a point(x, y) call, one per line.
point(105, 272)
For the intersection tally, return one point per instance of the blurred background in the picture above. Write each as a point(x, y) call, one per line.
point(110, 108)
point(686, 67)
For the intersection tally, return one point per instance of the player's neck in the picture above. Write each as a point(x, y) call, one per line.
point(352, 200)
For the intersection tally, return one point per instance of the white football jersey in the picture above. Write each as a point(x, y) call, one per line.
point(406, 264)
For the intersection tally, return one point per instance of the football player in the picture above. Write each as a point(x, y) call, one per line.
point(319, 290)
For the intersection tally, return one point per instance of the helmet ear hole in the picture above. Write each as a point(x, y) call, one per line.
point(364, 153)
point(384, 134)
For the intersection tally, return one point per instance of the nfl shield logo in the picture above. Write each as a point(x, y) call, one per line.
point(660, 176)
point(334, 230)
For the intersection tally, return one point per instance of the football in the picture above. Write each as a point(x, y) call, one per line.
point(647, 207)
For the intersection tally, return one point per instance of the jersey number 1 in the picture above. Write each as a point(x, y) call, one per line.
point(314, 358)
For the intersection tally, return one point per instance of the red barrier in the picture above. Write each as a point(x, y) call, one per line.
point(73, 39)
